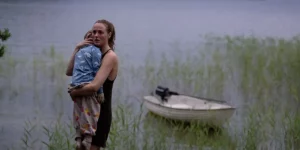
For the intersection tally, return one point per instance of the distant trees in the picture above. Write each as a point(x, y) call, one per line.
point(4, 36)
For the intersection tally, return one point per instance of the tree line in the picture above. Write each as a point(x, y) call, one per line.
point(4, 36)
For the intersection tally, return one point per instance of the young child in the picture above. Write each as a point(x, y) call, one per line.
point(86, 109)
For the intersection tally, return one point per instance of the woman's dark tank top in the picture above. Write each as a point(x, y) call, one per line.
point(107, 90)
point(105, 119)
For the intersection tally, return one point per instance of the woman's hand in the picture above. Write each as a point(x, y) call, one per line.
point(83, 43)
point(72, 95)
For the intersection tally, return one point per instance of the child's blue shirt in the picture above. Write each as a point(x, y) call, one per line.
point(86, 64)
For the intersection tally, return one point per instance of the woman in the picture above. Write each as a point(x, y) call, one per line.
point(104, 37)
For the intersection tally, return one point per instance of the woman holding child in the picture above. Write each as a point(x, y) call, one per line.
point(103, 37)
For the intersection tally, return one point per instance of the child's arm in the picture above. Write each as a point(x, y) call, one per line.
point(69, 71)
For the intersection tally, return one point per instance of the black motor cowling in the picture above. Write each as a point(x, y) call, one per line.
point(164, 92)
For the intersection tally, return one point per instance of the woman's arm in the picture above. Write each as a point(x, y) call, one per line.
point(107, 65)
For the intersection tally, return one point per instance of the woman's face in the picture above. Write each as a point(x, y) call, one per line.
point(100, 35)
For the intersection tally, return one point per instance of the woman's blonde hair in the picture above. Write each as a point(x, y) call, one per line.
point(110, 28)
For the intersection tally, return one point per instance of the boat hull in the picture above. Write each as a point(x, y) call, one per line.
point(208, 116)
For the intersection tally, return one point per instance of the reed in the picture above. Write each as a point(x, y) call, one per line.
point(260, 76)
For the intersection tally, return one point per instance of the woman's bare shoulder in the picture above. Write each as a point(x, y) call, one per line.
point(111, 56)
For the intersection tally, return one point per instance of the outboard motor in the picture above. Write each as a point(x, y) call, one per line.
point(164, 93)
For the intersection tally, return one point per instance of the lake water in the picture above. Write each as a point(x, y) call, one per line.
point(37, 25)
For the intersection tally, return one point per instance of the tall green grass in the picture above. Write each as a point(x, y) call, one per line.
point(259, 76)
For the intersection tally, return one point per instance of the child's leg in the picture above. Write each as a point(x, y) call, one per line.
point(87, 142)
point(90, 115)
point(77, 109)
point(88, 111)
point(89, 118)
point(100, 98)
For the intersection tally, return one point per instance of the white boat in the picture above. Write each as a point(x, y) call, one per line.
point(187, 108)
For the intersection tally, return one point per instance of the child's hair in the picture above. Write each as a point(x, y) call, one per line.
point(88, 34)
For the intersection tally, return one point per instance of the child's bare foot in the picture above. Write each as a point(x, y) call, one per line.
point(78, 144)
point(86, 143)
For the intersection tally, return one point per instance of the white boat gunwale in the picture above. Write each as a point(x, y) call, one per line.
point(161, 104)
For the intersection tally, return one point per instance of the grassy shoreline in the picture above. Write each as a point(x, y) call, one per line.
point(259, 76)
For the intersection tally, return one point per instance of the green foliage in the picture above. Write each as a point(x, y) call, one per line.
point(4, 35)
